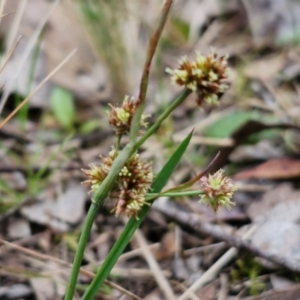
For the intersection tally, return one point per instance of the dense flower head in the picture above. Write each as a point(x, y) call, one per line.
point(205, 76)
point(120, 117)
point(96, 174)
point(132, 183)
point(217, 190)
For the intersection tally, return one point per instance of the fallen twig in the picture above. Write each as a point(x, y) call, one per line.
point(215, 269)
point(191, 221)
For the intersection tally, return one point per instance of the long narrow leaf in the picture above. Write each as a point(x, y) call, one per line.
point(132, 225)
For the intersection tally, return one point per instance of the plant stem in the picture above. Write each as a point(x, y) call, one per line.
point(176, 102)
point(118, 144)
point(152, 45)
point(151, 196)
point(133, 223)
point(98, 197)
point(114, 254)
point(85, 234)
point(102, 192)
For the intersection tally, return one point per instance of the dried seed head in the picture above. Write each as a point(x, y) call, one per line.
point(120, 117)
point(132, 183)
point(204, 76)
point(217, 190)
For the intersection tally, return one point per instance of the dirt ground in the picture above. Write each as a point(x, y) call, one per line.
point(249, 252)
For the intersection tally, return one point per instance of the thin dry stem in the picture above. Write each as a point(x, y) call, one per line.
point(15, 25)
point(196, 178)
point(138, 252)
point(36, 89)
point(8, 56)
point(136, 273)
point(224, 281)
point(215, 269)
point(151, 50)
point(154, 266)
point(3, 2)
point(7, 14)
point(191, 221)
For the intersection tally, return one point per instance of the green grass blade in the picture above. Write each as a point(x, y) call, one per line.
point(132, 225)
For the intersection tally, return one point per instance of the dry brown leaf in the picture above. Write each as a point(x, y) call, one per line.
point(209, 292)
point(278, 168)
point(266, 68)
point(167, 248)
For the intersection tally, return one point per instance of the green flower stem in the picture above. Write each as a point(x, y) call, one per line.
point(135, 123)
point(118, 143)
point(114, 254)
point(85, 234)
point(133, 223)
point(102, 192)
point(176, 102)
point(151, 196)
point(99, 196)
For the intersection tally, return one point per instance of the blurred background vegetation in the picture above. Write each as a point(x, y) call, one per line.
point(64, 126)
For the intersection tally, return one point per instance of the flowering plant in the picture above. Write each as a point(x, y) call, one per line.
point(126, 178)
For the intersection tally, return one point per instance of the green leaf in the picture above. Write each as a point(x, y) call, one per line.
point(62, 106)
point(133, 224)
point(168, 169)
point(227, 124)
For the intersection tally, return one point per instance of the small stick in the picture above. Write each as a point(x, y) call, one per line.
point(214, 270)
point(8, 56)
point(191, 222)
point(154, 267)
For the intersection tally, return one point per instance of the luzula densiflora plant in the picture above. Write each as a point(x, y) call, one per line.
point(127, 179)
point(205, 76)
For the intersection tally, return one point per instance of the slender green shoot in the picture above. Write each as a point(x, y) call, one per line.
point(133, 224)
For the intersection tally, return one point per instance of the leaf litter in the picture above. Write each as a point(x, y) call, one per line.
point(45, 213)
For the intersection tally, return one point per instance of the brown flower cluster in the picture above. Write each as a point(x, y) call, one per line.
point(217, 190)
point(204, 76)
point(120, 117)
point(132, 184)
